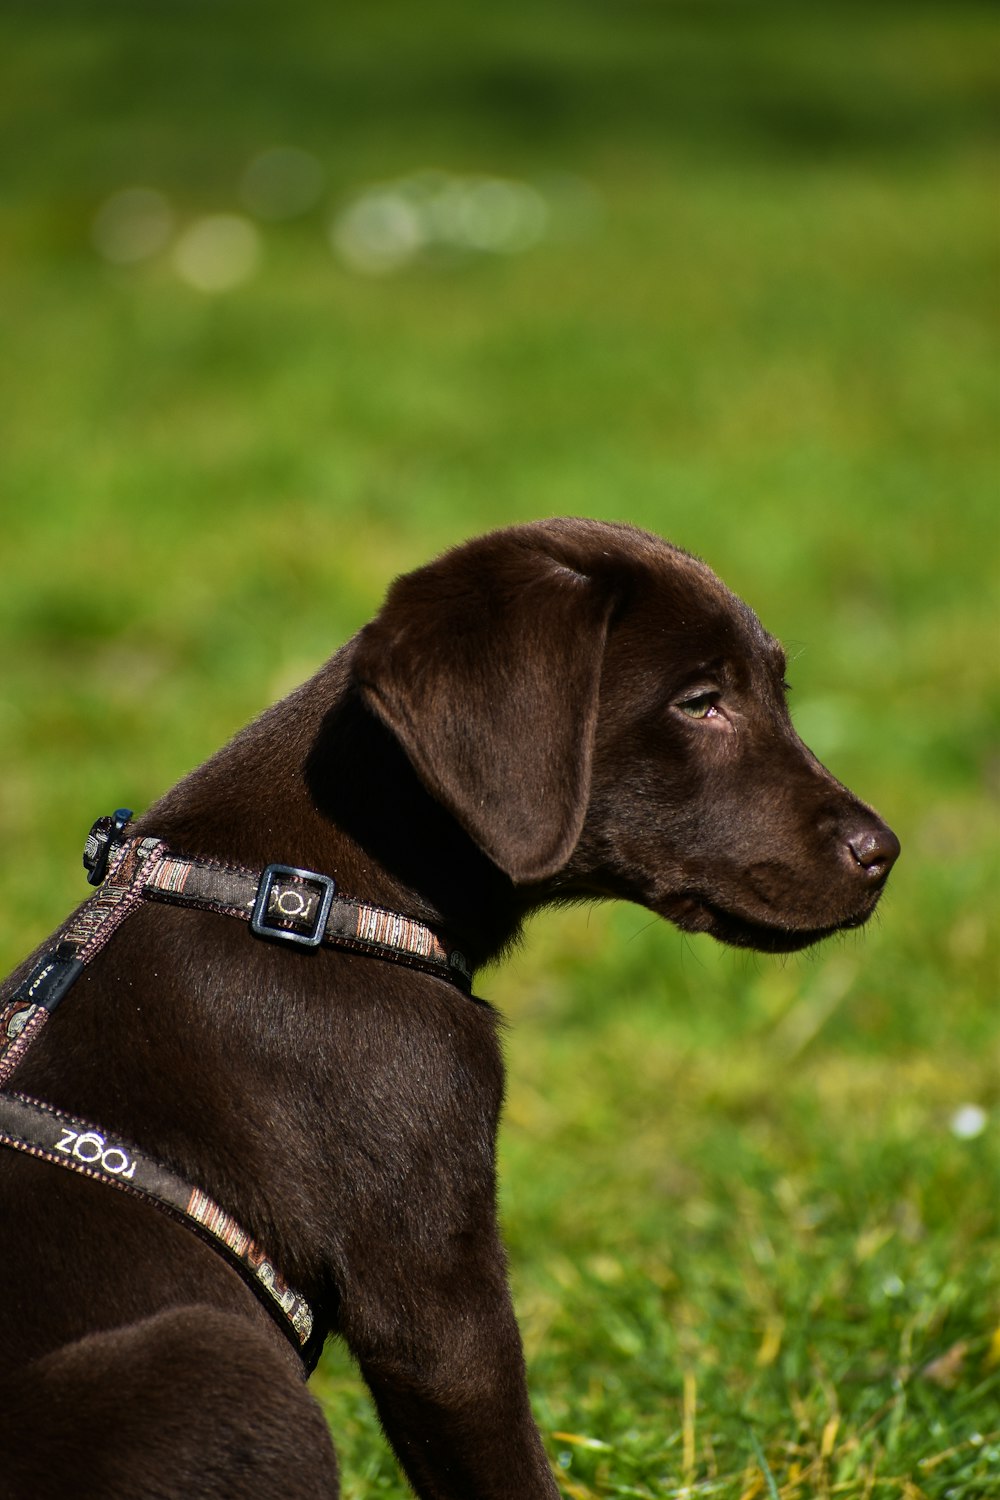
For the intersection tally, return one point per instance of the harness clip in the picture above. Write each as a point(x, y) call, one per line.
point(302, 897)
point(103, 838)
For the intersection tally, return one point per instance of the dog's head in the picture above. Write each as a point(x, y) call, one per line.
point(603, 717)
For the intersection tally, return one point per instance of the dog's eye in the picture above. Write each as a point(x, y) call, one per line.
point(701, 706)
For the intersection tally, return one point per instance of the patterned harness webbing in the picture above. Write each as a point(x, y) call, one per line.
point(300, 907)
point(293, 904)
point(85, 934)
point(283, 903)
point(49, 1134)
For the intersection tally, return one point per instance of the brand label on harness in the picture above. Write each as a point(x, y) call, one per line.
point(91, 1148)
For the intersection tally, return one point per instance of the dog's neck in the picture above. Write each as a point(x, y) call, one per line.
point(337, 794)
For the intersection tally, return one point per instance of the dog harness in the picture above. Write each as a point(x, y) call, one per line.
point(281, 903)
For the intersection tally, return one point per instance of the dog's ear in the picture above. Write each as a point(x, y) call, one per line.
point(486, 665)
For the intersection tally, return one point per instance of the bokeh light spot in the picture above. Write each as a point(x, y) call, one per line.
point(218, 253)
point(440, 216)
point(132, 225)
point(378, 233)
point(502, 216)
point(281, 182)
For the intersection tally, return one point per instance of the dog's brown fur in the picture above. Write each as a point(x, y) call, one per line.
point(510, 731)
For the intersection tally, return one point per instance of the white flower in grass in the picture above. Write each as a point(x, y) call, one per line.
point(968, 1121)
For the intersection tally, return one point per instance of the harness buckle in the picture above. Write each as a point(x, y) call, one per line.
point(103, 838)
point(286, 894)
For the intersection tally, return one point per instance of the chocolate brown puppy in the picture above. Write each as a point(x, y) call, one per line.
point(249, 1096)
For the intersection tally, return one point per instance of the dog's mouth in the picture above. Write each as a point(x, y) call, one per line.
point(693, 912)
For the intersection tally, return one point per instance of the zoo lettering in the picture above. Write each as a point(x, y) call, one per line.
point(90, 1147)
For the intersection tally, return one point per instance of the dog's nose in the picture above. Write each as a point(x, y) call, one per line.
point(875, 849)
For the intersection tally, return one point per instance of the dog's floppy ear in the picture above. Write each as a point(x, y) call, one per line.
point(486, 666)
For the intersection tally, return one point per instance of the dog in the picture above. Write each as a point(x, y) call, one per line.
point(558, 711)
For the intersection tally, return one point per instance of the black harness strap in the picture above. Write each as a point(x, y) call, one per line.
point(304, 908)
point(85, 934)
point(51, 1135)
point(282, 902)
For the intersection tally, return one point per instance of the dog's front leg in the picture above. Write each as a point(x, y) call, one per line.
point(446, 1370)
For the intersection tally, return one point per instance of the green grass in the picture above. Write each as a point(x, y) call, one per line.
point(750, 1253)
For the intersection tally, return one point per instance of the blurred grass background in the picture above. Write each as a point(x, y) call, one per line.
point(746, 298)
